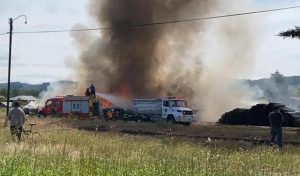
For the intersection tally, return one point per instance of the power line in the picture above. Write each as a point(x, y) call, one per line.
point(58, 31)
point(158, 23)
point(215, 17)
point(4, 33)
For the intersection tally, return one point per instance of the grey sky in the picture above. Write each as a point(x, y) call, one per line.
point(275, 52)
point(42, 57)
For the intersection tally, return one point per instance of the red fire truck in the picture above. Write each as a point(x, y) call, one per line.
point(82, 106)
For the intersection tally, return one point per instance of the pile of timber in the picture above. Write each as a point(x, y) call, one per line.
point(256, 116)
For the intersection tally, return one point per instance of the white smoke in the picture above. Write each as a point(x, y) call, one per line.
point(55, 89)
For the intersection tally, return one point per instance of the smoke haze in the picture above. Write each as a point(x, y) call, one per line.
point(61, 88)
point(194, 60)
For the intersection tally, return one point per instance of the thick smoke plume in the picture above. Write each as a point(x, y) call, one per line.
point(194, 60)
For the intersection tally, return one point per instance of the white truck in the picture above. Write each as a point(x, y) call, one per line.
point(172, 109)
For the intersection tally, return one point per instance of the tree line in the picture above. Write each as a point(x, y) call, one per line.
point(17, 92)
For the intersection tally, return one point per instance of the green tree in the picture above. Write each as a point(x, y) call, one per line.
point(278, 88)
point(3, 92)
point(278, 78)
point(2, 98)
point(18, 91)
point(292, 33)
point(15, 92)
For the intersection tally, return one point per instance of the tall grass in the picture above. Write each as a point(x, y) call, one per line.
point(77, 152)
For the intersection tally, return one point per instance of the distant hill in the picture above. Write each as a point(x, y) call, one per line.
point(262, 83)
point(266, 85)
point(287, 91)
point(18, 88)
point(26, 86)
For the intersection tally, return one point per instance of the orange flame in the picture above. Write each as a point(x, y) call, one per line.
point(125, 91)
point(105, 103)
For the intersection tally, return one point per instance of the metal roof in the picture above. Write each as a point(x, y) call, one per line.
point(3, 104)
point(24, 98)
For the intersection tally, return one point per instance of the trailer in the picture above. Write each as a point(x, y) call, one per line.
point(171, 109)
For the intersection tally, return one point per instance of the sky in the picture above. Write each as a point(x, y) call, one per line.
point(38, 58)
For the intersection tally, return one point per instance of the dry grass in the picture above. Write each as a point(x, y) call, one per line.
point(77, 152)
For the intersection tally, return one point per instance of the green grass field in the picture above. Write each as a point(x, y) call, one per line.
point(76, 152)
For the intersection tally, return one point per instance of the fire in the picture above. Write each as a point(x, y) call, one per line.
point(105, 103)
point(125, 91)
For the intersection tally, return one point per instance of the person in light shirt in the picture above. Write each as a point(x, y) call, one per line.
point(16, 117)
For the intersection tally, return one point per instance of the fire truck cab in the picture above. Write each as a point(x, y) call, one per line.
point(53, 106)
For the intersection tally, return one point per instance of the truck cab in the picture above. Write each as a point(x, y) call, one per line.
point(53, 106)
point(176, 110)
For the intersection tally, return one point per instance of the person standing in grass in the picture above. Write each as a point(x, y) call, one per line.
point(276, 120)
point(16, 117)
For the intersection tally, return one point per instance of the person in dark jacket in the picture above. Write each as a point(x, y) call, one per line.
point(87, 92)
point(276, 120)
point(93, 90)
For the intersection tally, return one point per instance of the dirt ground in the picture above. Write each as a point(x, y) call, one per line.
point(205, 131)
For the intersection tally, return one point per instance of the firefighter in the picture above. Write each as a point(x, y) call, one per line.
point(110, 114)
point(93, 90)
point(17, 119)
point(87, 92)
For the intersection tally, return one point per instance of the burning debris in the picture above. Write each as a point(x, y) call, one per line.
point(198, 61)
point(112, 100)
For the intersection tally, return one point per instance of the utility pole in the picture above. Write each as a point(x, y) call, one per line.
point(11, 20)
point(9, 66)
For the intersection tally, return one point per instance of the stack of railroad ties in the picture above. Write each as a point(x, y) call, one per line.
point(258, 115)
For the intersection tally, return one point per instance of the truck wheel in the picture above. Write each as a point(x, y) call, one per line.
point(187, 124)
point(59, 115)
point(139, 118)
point(171, 119)
point(41, 115)
point(54, 113)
